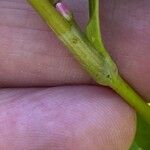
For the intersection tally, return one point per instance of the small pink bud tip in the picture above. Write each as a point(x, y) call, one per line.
point(63, 9)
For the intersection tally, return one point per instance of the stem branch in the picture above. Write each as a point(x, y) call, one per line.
point(99, 65)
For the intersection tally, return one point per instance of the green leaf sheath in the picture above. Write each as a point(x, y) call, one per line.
point(93, 28)
point(101, 68)
point(95, 60)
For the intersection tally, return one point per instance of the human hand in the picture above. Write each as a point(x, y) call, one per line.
point(68, 117)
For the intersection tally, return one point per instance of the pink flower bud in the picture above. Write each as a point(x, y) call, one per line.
point(63, 9)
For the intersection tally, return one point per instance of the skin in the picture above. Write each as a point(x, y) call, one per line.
point(80, 115)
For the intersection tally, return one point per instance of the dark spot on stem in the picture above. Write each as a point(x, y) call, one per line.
point(75, 40)
point(108, 76)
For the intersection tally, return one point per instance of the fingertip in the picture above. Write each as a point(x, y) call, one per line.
point(67, 118)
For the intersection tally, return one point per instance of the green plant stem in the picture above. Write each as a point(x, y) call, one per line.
point(100, 66)
point(131, 97)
